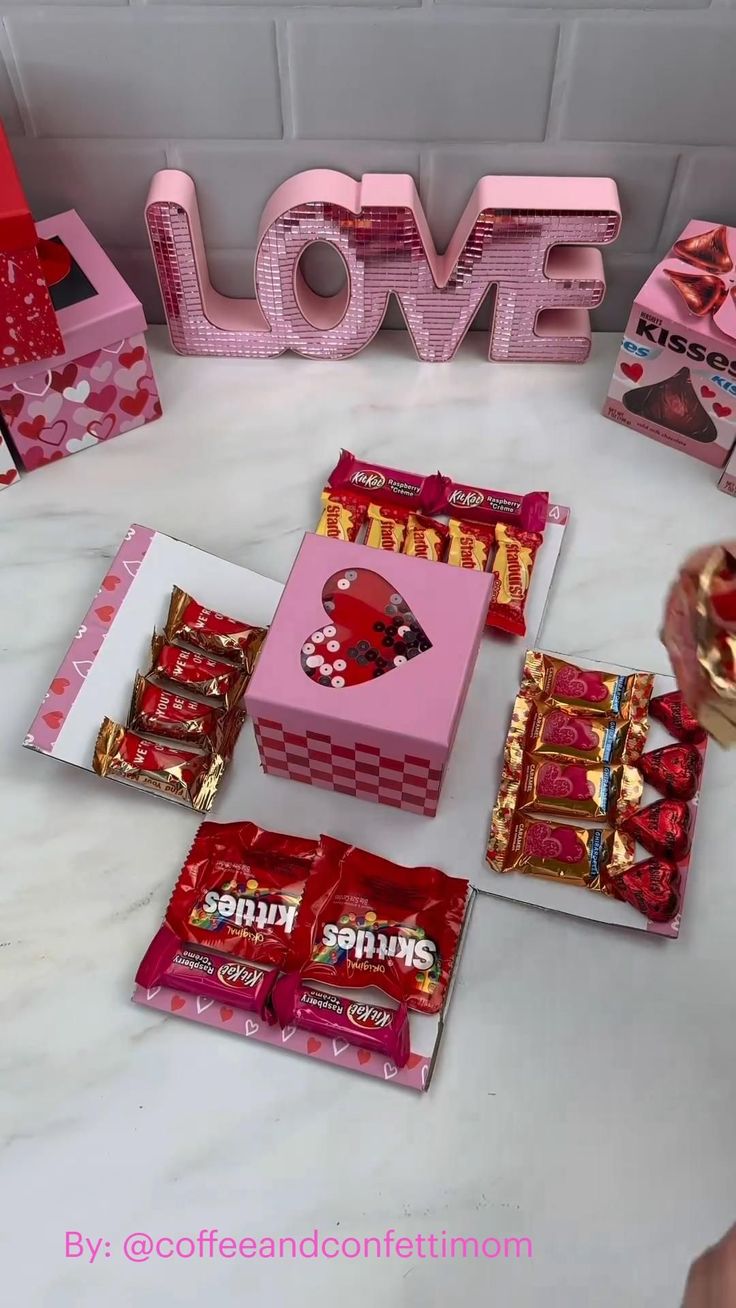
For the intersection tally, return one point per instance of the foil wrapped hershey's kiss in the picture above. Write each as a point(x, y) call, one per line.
point(708, 251)
point(703, 293)
point(673, 403)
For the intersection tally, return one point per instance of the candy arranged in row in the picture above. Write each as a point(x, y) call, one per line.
point(283, 926)
point(391, 510)
point(575, 750)
point(173, 743)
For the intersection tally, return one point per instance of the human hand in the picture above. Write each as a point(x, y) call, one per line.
point(712, 1279)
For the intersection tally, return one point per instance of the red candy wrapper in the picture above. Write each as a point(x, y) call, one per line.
point(652, 887)
point(160, 712)
point(212, 632)
point(365, 921)
point(240, 889)
point(512, 575)
point(342, 516)
point(213, 678)
point(529, 512)
point(663, 828)
point(386, 527)
point(199, 971)
point(673, 770)
point(379, 485)
point(370, 1026)
point(425, 538)
point(189, 775)
point(673, 712)
point(470, 546)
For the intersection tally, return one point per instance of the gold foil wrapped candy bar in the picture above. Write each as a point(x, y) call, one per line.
point(699, 632)
point(589, 689)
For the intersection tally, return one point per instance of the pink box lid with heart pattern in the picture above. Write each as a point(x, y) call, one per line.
point(438, 613)
point(105, 311)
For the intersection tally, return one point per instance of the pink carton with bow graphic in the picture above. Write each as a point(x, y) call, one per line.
point(362, 679)
point(675, 376)
point(103, 384)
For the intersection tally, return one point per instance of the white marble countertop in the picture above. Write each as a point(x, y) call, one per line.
point(584, 1094)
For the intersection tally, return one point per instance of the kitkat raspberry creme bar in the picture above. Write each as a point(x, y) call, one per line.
point(376, 484)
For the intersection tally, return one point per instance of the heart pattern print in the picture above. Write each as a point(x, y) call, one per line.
point(371, 630)
point(414, 1075)
point(8, 471)
point(77, 405)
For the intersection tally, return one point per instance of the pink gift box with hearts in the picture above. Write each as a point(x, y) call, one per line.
point(675, 375)
point(103, 385)
point(361, 681)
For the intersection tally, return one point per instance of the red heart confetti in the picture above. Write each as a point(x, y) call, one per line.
point(53, 720)
point(364, 1056)
point(722, 410)
point(177, 1003)
point(105, 612)
point(110, 582)
point(707, 393)
point(313, 1045)
point(226, 1013)
point(7, 478)
point(371, 631)
point(59, 685)
point(674, 770)
point(633, 371)
point(651, 887)
point(131, 357)
point(679, 720)
point(662, 828)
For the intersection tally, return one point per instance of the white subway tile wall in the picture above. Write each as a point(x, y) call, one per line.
point(99, 94)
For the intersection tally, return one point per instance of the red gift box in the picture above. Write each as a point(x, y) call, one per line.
point(29, 329)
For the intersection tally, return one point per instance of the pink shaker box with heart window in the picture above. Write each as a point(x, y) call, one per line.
point(675, 375)
point(103, 384)
point(361, 681)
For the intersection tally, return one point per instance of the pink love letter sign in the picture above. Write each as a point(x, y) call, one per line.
point(532, 239)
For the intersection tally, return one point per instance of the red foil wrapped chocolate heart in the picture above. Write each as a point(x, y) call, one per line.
point(674, 713)
point(651, 887)
point(674, 770)
point(662, 828)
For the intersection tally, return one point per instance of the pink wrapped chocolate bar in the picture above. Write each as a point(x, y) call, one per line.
point(199, 971)
point(474, 504)
point(380, 485)
point(370, 1026)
